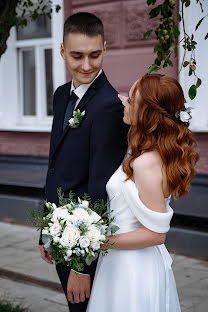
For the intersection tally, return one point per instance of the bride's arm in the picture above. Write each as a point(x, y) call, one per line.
point(149, 181)
point(140, 238)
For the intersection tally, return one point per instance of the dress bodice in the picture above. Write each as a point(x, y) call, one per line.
point(128, 210)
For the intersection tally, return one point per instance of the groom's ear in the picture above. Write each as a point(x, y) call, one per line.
point(104, 47)
point(62, 51)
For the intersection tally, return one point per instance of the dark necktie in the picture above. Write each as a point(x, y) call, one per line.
point(70, 108)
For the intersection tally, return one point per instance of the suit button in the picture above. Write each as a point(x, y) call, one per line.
point(51, 171)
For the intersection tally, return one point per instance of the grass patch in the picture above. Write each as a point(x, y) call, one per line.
point(8, 307)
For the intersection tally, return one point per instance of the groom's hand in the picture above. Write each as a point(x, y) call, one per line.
point(78, 287)
point(45, 255)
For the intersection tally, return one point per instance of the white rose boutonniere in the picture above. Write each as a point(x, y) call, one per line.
point(76, 120)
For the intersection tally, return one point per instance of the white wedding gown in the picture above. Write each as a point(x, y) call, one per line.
point(138, 280)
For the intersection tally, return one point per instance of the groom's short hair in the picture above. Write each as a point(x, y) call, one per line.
point(83, 23)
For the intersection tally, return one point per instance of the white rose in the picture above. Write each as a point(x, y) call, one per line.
point(85, 204)
point(71, 219)
point(81, 214)
point(95, 245)
point(45, 232)
point(56, 239)
point(93, 233)
point(67, 244)
point(48, 204)
point(94, 217)
point(84, 241)
point(69, 252)
point(186, 105)
point(184, 116)
point(54, 206)
point(55, 229)
point(60, 213)
point(102, 237)
point(70, 235)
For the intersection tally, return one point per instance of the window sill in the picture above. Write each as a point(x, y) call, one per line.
point(27, 128)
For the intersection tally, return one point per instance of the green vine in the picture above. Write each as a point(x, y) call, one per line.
point(167, 36)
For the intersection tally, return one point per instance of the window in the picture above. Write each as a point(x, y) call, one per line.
point(34, 47)
point(30, 71)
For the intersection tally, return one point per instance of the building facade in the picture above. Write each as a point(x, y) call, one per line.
point(31, 70)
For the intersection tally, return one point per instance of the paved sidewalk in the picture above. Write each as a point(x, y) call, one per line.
point(26, 278)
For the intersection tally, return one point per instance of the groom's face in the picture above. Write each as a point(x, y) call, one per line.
point(84, 56)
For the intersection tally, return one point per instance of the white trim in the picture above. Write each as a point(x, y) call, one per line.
point(33, 42)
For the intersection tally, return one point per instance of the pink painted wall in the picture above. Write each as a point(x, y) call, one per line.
point(24, 143)
point(128, 55)
point(202, 149)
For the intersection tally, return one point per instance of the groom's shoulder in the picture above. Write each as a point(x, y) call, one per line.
point(109, 95)
point(63, 88)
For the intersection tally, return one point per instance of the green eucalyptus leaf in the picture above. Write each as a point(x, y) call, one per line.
point(190, 71)
point(199, 23)
point(153, 67)
point(147, 34)
point(192, 92)
point(187, 3)
point(114, 229)
point(179, 17)
point(58, 8)
point(198, 84)
point(150, 2)
point(154, 12)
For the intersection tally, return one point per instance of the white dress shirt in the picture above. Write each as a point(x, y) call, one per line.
point(82, 89)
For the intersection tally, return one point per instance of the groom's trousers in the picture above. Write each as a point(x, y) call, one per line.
point(63, 273)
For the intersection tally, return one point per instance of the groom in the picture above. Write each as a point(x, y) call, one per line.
point(82, 159)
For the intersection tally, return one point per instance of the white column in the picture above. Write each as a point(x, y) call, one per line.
point(59, 75)
point(9, 103)
point(193, 14)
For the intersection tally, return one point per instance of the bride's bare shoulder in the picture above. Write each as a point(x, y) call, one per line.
point(147, 161)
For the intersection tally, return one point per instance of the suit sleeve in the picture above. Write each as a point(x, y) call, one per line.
point(107, 150)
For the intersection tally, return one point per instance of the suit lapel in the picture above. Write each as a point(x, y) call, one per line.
point(86, 98)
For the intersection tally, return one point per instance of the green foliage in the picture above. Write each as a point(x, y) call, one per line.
point(5, 306)
point(192, 92)
point(114, 229)
point(30, 11)
point(153, 67)
point(198, 83)
point(36, 219)
point(167, 35)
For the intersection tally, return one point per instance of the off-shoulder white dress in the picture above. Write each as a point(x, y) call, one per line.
point(134, 280)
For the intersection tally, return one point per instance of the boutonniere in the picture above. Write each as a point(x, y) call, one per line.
point(76, 120)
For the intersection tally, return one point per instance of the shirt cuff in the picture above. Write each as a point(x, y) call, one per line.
point(80, 273)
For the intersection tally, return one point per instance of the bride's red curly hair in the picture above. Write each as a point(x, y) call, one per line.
point(154, 101)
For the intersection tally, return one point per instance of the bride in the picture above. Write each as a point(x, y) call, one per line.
point(136, 275)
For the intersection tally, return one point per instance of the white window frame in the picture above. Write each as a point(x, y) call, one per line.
point(38, 46)
point(11, 78)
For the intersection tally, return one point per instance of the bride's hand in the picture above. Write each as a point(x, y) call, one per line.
point(106, 243)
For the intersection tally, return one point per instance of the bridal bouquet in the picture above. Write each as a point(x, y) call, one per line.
point(73, 232)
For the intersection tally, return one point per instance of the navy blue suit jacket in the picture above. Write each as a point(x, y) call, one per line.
point(83, 159)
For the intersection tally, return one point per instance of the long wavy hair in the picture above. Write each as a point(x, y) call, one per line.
point(154, 101)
